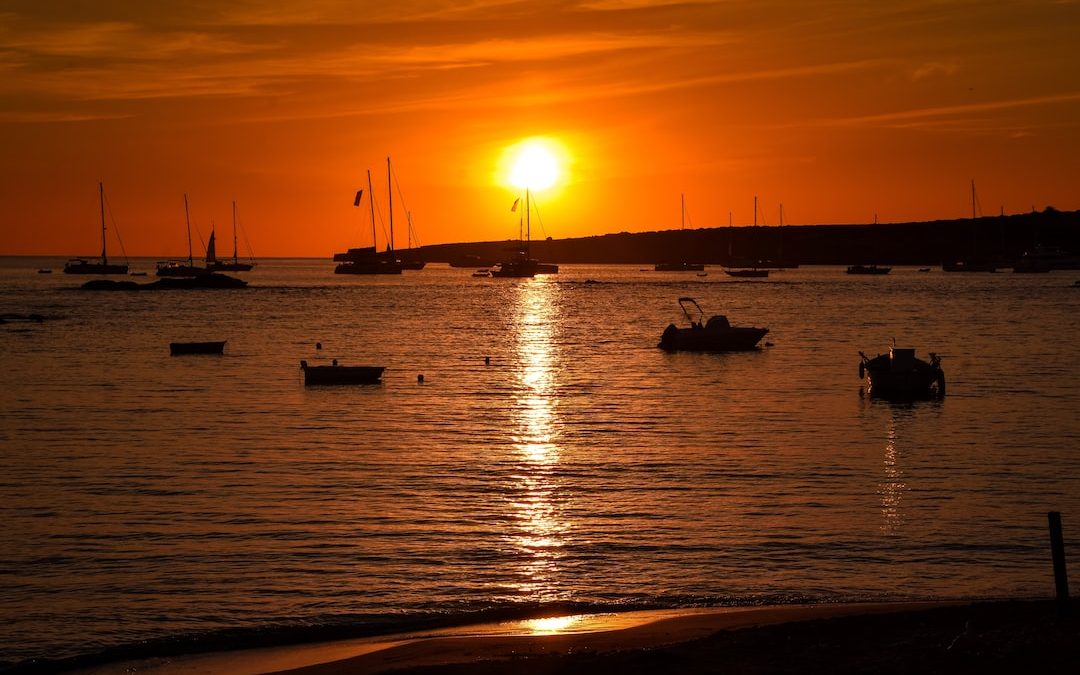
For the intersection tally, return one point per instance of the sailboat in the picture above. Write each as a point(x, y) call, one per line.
point(84, 266)
point(366, 260)
point(522, 265)
point(177, 268)
point(680, 266)
point(212, 262)
point(745, 271)
point(972, 264)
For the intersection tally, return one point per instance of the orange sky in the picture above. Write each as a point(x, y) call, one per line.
point(838, 109)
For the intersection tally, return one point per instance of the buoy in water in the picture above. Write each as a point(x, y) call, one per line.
point(420, 378)
point(318, 345)
point(487, 360)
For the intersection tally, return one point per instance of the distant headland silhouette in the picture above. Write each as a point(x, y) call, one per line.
point(990, 238)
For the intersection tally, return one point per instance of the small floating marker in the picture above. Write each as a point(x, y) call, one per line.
point(318, 345)
point(335, 362)
point(487, 360)
point(420, 378)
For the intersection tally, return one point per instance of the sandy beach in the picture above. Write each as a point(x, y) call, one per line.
point(885, 637)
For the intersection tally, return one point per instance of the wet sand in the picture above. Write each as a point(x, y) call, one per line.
point(902, 637)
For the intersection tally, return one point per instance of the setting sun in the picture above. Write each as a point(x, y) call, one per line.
point(532, 163)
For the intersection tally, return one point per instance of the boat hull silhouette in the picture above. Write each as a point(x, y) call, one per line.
point(213, 347)
point(898, 375)
point(338, 375)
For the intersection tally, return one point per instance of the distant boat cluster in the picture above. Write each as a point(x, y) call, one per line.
point(169, 268)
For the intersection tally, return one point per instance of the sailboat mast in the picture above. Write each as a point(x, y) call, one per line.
point(101, 199)
point(235, 257)
point(390, 207)
point(682, 212)
point(187, 219)
point(528, 225)
point(371, 204)
point(974, 225)
point(781, 214)
point(755, 210)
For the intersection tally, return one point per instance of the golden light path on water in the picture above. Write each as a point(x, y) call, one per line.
point(541, 528)
point(893, 487)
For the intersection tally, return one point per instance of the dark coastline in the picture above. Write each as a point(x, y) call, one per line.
point(994, 238)
point(992, 637)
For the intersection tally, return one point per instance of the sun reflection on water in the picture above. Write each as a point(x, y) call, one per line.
point(553, 624)
point(893, 486)
point(541, 527)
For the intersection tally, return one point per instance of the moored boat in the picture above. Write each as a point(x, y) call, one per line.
point(212, 347)
point(521, 264)
point(868, 269)
point(335, 374)
point(899, 375)
point(679, 265)
point(84, 266)
point(715, 335)
point(217, 265)
point(180, 268)
point(518, 267)
point(752, 273)
point(367, 259)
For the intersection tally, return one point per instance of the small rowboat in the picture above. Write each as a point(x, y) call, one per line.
point(178, 348)
point(335, 374)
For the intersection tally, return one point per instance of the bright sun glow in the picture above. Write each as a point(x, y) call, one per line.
point(533, 164)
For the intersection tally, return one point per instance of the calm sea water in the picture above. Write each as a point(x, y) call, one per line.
point(145, 496)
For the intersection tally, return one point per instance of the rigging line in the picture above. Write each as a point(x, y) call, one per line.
point(536, 207)
point(404, 205)
point(382, 222)
point(412, 230)
point(243, 233)
point(112, 219)
point(198, 232)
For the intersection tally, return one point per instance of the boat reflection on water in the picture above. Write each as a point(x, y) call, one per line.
point(541, 528)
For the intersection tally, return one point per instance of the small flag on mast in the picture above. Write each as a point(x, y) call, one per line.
point(514, 207)
point(356, 202)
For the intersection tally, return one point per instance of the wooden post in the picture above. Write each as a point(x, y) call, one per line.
point(1057, 549)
